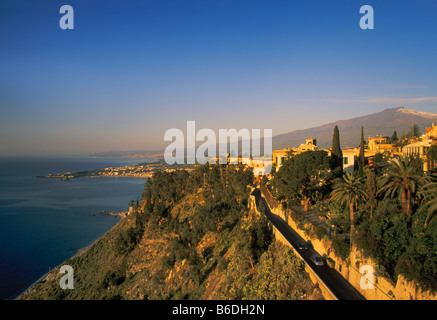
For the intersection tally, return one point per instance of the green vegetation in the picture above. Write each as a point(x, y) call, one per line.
point(432, 157)
point(349, 191)
point(371, 190)
point(192, 236)
point(396, 226)
point(337, 154)
point(310, 176)
point(387, 210)
point(394, 137)
point(306, 177)
point(415, 132)
point(429, 193)
point(361, 159)
point(403, 179)
point(277, 275)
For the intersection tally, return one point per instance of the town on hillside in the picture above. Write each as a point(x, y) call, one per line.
point(379, 147)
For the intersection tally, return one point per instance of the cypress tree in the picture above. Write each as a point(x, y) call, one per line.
point(371, 190)
point(361, 161)
point(336, 154)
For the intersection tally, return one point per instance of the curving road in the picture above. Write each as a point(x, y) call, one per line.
point(341, 288)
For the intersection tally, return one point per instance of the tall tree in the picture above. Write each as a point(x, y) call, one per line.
point(431, 157)
point(394, 137)
point(290, 153)
point(403, 178)
point(349, 190)
point(303, 177)
point(361, 160)
point(414, 132)
point(371, 187)
point(336, 154)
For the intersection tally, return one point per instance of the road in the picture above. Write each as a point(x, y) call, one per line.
point(342, 289)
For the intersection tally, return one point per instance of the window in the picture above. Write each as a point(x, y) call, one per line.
point(345, 160)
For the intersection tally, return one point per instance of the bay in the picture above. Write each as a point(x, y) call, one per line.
point(43, 222)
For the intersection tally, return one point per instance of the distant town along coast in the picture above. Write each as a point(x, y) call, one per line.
point(141, 170)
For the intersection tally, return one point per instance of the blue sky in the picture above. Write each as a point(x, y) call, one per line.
point(130, 70)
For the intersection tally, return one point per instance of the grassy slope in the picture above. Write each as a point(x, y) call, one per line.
point(219, 268)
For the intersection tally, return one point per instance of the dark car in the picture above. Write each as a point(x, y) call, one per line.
point(317, 260)
point(302, 245)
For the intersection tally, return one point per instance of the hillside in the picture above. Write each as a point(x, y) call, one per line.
point(192, 237)
point(381, 123)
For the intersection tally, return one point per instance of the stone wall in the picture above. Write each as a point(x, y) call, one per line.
point(324, 290)
point(380, 288)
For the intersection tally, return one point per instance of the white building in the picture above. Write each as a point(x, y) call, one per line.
point(349, 156)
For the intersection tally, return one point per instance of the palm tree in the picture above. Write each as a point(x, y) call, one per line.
point(349, 190)
point(403, 178)
point(429, 194)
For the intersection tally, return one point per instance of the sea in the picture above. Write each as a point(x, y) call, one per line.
point(45, 221)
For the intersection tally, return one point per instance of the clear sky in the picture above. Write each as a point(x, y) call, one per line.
point(130, 70)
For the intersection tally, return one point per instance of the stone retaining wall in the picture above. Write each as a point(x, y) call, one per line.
point(383, 288)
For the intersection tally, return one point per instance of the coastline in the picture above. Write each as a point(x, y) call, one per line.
point(66, 178)
point(78, 253)
point(41, 229)
point(140, 170)
point(49, 275)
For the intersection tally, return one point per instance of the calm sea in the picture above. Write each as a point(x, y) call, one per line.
point(44, 221)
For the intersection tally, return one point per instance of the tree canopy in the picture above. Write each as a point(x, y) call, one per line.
point(305, 176)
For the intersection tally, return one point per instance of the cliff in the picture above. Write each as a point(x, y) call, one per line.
point(198, 245)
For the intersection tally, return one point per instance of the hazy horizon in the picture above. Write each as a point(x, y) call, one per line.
point(127, 73)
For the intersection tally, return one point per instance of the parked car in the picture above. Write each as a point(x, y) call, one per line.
point(317, 260)
point(302, 245)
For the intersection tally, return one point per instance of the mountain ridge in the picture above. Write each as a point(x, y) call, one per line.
point(385, 122)
point(399, 119)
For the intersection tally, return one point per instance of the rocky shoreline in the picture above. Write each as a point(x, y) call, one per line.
point(120, 214)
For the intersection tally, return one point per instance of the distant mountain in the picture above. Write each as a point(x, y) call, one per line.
point(127, 154)
point(380, 123)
